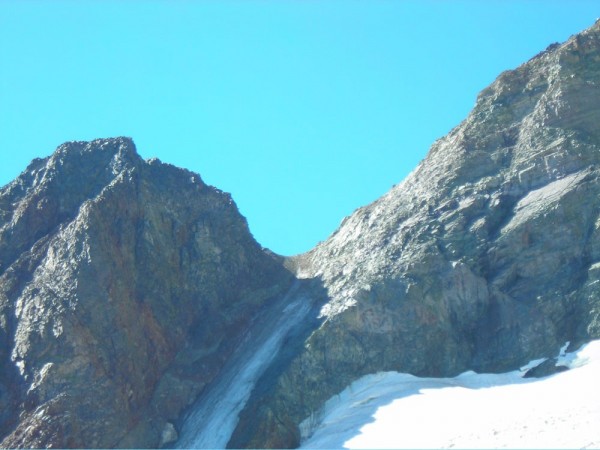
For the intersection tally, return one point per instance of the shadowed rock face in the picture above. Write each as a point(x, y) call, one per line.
point(485, 257)
point(124, 286)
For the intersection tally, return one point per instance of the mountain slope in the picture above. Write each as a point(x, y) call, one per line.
point(485, 257)
point(124, 286)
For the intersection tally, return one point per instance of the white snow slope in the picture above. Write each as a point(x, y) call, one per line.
point(396, 410)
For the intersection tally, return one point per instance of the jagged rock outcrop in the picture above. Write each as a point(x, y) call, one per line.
point(485, 257)
point(124, 286)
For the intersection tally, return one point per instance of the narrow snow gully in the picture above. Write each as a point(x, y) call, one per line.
point(213, 418)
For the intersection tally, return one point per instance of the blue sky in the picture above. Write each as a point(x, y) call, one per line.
point(303, 110)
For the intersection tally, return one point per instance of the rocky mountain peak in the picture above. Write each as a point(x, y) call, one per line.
point(50, 191)
point(116, 153)
point(124, 286)
point(78, 161)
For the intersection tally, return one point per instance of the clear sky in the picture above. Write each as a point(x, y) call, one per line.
point(304, 110)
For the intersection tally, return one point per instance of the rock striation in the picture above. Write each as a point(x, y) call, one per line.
point(124, 286)
point(485, 257)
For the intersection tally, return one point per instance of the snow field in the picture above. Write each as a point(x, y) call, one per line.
point(395, 410)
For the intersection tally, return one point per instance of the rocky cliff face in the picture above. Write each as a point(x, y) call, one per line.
point(124, 286)
point(486, 256)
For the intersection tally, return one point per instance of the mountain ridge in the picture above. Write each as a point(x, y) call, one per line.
point(126, 286)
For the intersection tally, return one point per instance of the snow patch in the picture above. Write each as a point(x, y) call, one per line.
point(398, 410)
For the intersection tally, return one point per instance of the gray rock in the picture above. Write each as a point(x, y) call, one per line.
point(124, 286)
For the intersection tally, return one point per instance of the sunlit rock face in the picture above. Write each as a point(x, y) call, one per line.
point(124, 286)
point(485, 257)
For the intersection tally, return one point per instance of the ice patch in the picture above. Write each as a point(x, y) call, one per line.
point(215, 414)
